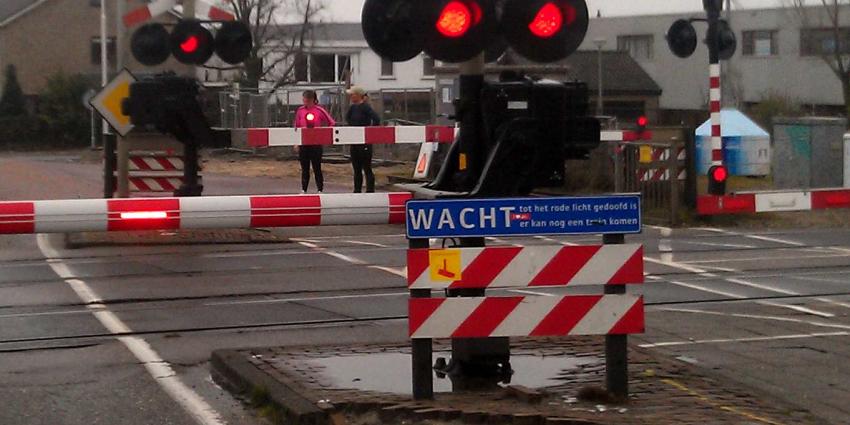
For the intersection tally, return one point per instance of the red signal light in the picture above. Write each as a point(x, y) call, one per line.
point(642, 122)
point(719, 174)
point(548, 21)
point(190, 44)
point(455, 19)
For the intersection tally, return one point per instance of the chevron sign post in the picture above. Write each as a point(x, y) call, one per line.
point(610, 266)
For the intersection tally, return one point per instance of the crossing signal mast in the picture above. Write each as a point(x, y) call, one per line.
point(170, 103)
point(721, 41)
point(516, 133)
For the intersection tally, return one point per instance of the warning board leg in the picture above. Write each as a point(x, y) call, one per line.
point(616, 346)
point(421, 349)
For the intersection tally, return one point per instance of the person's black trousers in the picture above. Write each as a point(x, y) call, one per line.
point(361, 161)
point(311, 155)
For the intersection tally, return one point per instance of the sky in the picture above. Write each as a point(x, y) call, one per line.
point(349, 10)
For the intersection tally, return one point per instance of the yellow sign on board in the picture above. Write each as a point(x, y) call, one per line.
point(445, 265)
point(645, 154)
point(108, 102)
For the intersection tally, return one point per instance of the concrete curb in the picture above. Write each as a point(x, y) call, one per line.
point(234, 372)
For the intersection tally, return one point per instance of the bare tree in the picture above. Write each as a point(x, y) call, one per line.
point(824, 16)
point(281, 30)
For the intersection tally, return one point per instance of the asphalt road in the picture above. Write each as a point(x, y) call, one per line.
point(122, 334)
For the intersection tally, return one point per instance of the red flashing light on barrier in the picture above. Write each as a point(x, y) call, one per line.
point(144, 215)
point(717, 176)
point(642, 122)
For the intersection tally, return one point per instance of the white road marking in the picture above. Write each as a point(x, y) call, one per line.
point(402, 272)
point(749, 339)
point(722, 245)
point(753, 316)
point(757, 237)
point(526, 292)
point(379, 245)
point(156, 366)
point(301, 299)
point(794, 257)
point(702, 273)
point(665, 231)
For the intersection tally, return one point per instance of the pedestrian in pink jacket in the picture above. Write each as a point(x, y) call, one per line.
point(311, 115)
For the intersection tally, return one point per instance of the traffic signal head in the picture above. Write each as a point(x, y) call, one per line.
point(728, 42)
point(394, 28)
point(233, 42)
point(191, 43)
point(642, 122)
point(717, 176)
point(544, 30)
point(459, 30)
point(149, 44)
point(682, 38)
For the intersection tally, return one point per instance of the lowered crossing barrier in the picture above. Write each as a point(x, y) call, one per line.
point(211, 212)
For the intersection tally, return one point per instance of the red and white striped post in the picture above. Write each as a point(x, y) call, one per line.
point(715, 106)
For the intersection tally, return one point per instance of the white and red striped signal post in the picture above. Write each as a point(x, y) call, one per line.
point(613, 265)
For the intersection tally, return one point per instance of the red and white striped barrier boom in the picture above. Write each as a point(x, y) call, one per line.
point(773, 201)
point(502, 267)
point(624, 135)
point(483, 317)
point(271, 137)
point(208, 212)
point(203, 10)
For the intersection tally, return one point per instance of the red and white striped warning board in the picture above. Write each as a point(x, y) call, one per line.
point(158, 183)
point(484, 317)
point(502, 267)
point(155, 162)
point(209, 212)
point(773, 201)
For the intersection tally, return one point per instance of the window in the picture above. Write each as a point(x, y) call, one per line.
point(822, 41)
point(387, 68)
point(95, 50)
point(322, 68)
point(759, 43)
point(638, 46)
point(427, 66)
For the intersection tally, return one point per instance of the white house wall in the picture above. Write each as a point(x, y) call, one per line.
point(685, 81)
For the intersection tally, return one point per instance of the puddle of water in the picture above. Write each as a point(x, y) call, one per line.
point(391, 372)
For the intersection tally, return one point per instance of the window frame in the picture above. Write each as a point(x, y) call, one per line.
point(626, 40)
point(111, 51)
point(750, 37)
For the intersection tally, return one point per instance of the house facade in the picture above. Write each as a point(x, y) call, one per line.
point(779, 54)
point(44, 37)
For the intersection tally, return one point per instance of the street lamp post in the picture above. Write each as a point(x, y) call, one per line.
point(600, 43)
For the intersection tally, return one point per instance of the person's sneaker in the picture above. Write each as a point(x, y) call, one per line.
point(320, 191)
point(303, 192)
